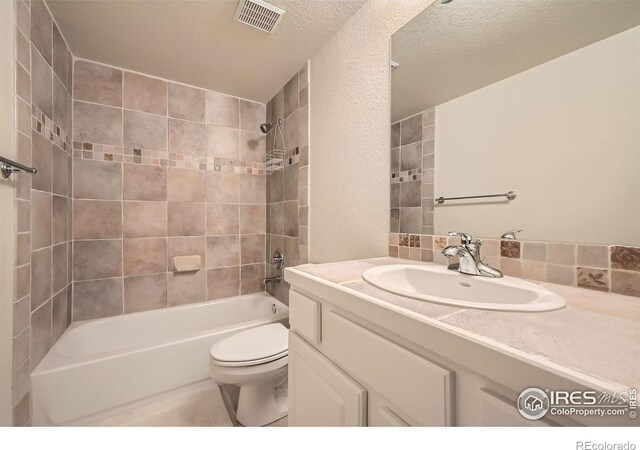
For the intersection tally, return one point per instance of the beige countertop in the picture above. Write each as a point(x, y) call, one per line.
point(597, 334)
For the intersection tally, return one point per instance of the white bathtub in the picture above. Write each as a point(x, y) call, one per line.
point(103, 364)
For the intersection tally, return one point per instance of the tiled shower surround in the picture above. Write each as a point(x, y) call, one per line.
point(162, 169)
point(412, 166)
point(607, 268)
point(288, 189)
point(42, 276)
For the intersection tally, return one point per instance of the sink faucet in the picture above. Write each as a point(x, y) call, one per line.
point(469, 253)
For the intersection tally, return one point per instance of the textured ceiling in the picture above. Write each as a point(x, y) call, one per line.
point(199, 42)
point(450, 50)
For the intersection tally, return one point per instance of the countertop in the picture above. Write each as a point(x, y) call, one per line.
point(597, 334)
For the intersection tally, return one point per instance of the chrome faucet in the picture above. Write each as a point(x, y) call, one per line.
point(468, 253)
point(511, 234)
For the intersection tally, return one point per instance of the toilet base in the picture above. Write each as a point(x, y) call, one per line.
point(262, 402)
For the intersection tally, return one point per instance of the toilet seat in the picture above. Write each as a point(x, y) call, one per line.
point(252, 347)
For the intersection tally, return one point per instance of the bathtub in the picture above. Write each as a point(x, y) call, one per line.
point(105, 364)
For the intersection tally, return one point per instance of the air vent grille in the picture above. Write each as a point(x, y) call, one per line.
point(259, 14)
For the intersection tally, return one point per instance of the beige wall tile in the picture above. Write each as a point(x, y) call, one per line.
point(23, 249)
point(59, 267)
point(290, 185)
point(252, 248)
point(59, 314)
point(59, 219)
point(60, 105)
point(291, 96)
point(144, 219)
point(511, 267)
point(185, 185)
point(97, 259)
point(561, 274)
point(186, 219)
point(534, 270)
point(145, 182)
point(40, 219)
point(97, 124)
point(97, 219)
point(290, 218)
point(186, 246)
point(253, 219)
point(223, 282)
point(627, 258)
point(22, 282)
point(223, 142)
point(252, 114)
point(222, 187)
point(276, 218)
point(40, 277)
point(22, 216)
point(60, 172)
point(144, 256)
point(61, 58)
point(253, 189)
point(186, 288)
point(187, 137)
point(223, 251)
point(20, 347)
point(40, 333)
point(563, 254)
point(251, 277)
point(535, 251)
point(186, 102)
point(222, 110)
point(252, 146)
point(42, 157)
point(97, 83)
point(625, 282)
point(97, 298)
point(97, 179)
point(145, 293)
point(41, 83)
point(145, 94)
point(593, 255)
point(42, 29)
point(222, 219)
point(145, 131)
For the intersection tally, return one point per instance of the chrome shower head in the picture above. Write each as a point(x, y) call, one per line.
point(267, 126)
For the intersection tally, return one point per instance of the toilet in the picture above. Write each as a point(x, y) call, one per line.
point(256, 360)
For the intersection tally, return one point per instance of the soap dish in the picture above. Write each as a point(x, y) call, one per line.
point(186, 263)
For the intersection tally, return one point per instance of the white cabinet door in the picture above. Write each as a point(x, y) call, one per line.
point(320, 394)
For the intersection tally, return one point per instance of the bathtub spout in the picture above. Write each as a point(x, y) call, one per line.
point(268, 280)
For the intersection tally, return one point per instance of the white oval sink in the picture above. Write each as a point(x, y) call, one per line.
point(439, 285)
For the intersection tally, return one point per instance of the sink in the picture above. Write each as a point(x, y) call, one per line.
point(437, 284)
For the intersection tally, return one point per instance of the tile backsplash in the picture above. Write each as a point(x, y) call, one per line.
point(607, 268)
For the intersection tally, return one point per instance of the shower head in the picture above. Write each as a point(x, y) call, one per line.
point(267, 126)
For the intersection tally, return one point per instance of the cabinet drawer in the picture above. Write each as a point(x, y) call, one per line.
point(499, 412)
point(420, 390)
point(305, 317)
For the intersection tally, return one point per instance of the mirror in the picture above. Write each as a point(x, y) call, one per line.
point(541, 98)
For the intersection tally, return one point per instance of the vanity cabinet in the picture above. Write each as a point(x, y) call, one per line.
point(320, 394)
point(355, 362)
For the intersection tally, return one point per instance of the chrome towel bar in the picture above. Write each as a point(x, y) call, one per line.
point(510, 196)
point(7, 167)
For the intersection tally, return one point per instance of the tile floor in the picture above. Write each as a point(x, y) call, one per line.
point(200, 405)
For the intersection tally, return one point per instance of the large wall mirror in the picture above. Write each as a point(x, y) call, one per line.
point(537, 97)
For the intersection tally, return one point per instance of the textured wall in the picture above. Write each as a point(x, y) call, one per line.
point(349, 118)
point(163, 169)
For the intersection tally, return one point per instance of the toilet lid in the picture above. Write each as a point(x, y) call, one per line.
point(260, 343)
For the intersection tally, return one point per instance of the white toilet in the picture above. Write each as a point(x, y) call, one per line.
point(256, 360)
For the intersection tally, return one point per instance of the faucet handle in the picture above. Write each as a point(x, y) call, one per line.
point(511, 234)
point(464, 237)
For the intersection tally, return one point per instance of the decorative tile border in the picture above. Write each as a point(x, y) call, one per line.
point(606, 268)
point(407, 175)
point(103, 152)
point(49, 129)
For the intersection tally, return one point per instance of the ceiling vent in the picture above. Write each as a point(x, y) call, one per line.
point(259, 14)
